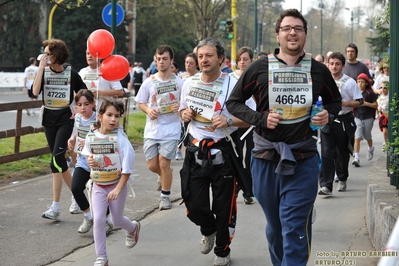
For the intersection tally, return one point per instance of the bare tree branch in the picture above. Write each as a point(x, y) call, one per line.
point(5, 2)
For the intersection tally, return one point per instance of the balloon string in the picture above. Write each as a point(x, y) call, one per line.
point(98, 84)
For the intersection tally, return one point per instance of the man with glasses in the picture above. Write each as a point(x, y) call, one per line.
point(285, 163)
point(354, 67)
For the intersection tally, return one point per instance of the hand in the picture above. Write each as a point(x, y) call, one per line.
point(175, 108)
point(113, 195)
point(321, 118)
point(71, 143)
point(219, 121)
point(187, 114)
point(43, 60)
point(90, 161)
point(153, 113)
point(272, 120)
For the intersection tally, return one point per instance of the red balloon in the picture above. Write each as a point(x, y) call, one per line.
point(114, 68)
point(100, 43)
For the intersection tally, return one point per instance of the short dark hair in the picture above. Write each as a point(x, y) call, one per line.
point(337, 55)
point(352, 45)
point(58, 48)
point(163, 49)
point(261, 54)
point(32, 60)
point(291, 13)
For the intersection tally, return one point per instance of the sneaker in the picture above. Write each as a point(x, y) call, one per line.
point(164, 203)
point(159, 185)
point(222, 261)
point(325, 191)
point(370, 154)
point(133, 238)
point(383, 146)
point(52, 214)
point(207, 243)
point(179, 156)
point(74, 208)
point(27, 112)
point(342, 186)
point(356, 162)
point(85, 226)
point(108, 227)
point(336, 179)
point(248, 200)
point(101, 262)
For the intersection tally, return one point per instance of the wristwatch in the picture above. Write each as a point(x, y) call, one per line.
point(229, 122)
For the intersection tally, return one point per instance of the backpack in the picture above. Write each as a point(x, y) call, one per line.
point(138, 77)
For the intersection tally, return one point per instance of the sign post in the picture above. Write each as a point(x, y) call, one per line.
point(107, 14)
point(113, 15)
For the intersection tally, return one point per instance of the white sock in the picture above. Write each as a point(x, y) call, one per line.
point(88, 215)
point(371, 149)
point(356, 154)
point(55, 205)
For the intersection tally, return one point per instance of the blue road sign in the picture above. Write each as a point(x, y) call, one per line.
point(107, 14)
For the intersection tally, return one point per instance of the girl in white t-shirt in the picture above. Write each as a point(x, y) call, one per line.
point(111, 158)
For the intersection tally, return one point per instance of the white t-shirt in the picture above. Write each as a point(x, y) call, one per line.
point(250, 102)
point(196, 129)
point(93, 82)
point(166, 126)
point(30, 73)
point(349, 90)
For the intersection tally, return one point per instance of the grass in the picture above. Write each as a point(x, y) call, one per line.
point(36, 166)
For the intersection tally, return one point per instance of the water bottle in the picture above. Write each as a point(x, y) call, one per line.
point(318, 107)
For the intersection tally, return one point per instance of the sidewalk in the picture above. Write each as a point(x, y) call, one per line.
point(169, 237)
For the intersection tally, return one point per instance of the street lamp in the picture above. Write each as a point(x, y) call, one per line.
point(321, 6)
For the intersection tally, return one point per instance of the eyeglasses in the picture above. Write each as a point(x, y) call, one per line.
point(287, 29)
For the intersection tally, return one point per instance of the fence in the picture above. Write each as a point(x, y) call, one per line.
point(19, 131)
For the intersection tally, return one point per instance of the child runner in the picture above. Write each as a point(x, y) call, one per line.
point(364, 118)
point(111, 159)
point(383, 108)
point(85, 103)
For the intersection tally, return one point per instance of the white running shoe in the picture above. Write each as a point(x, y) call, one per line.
point(85, 226)
point(207, 243)
point(133, 238)
point(52, 214)
point(74, 208)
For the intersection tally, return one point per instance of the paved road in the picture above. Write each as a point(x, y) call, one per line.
point(8, 119)
point(168, 237)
